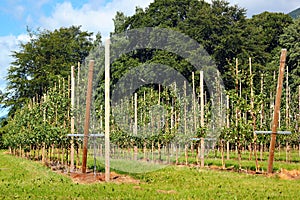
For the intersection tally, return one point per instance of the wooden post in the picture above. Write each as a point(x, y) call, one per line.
point(135, 114)
point(185, 107)
point(253, 115)
point(227, 124)
point(87, 115)
point(44, 121)
point(299, 98)
point(202, 117)
point(185, 123)
point(72, 118)
point(238, 112)
point(78, 111)
point(107, 110)
point(194, 102)
point(287, 99)
point(276, 110)
point(262, 104)
point(299, 115)
point(158, 102)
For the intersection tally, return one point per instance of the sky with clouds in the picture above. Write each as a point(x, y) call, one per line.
point(93, 15)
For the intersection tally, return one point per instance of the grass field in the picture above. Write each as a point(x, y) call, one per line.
point(25, 179)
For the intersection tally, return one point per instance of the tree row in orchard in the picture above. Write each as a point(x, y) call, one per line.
point(224, 31)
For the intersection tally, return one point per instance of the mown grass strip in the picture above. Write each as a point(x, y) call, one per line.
point(25, 179)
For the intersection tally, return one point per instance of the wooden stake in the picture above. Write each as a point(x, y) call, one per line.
point(135, 114)
point(253, 114)
point(107, 110)
point(194, 102)
point(299, 114)
point(276, 110)
point(287, 98)
point(202, 117)
point(227, 123)
point(185, 123)
point(262, 105)
point(72, 117)
point(87, 115)
point(78, 111)
point(159, 117)
point(44, 121)
point(185, 107)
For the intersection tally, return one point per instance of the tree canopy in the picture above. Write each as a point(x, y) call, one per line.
point(290, 39)
point(39, 62)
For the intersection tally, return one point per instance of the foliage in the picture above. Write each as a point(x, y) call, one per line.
point(37, 63)
point(38, 123)
point(290, 40)
point(217, 27)
point(34, 91)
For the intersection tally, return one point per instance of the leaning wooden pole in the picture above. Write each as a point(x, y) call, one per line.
point(276, 110)
point(72, 117)
point(87, 115)
point(107, 110)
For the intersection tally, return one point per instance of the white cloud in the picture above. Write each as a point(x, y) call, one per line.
point(92, 17)
point(95, 16)
point(7, 45)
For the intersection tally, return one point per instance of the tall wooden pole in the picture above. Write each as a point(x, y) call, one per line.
point(202, 116)
point(299, 100)
point(158, 102)
point(135, 114)
point(194, 102)
point(72, 117)
point(44, 120)
point(276, 110)
point(78, 110)
point(227, 123)
point(107, 109)
point(87, 115)
point(287, 98)
point(185, 107)
point(185, 122)
point(299, 113)
point(253, 115)
point(262, 105)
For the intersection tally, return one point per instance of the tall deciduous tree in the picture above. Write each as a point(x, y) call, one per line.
point(266, 29)
point(46, 56)
point(218, 27)
point(290, 39)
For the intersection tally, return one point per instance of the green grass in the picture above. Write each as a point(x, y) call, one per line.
point(25, 179)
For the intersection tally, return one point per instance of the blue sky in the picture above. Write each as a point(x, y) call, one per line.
point(93, 15)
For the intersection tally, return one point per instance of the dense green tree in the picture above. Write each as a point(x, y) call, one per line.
point(218, 27)
point(290, 39)
point(266, 29)
point(119, 21)
point(47, 55)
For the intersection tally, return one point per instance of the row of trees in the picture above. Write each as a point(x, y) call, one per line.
point(224, 32)
point(40, 126)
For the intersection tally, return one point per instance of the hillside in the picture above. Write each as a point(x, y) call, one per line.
point(295, 13)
